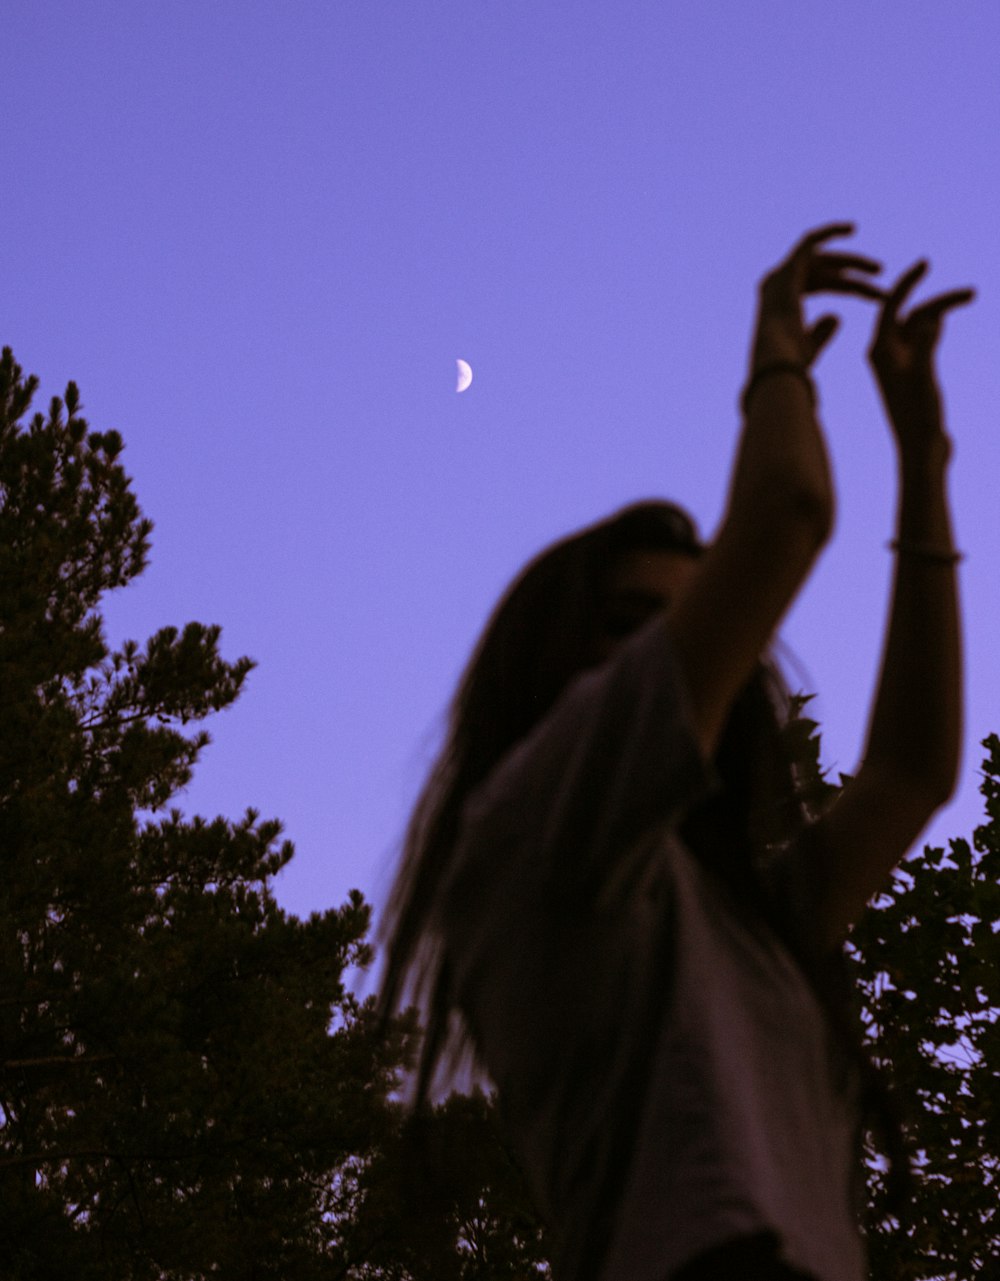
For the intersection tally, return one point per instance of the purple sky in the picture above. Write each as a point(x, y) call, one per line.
point(259, 235)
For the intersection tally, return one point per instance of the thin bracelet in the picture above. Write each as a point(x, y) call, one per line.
point(925, 551)
point(777, 367)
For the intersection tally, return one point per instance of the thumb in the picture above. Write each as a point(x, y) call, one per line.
point(820, 334)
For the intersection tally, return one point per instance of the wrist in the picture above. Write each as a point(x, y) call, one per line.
point(773, 348)
point(772, 370)
point(926, 457)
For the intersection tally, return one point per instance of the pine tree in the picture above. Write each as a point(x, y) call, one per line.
point(184, 1079)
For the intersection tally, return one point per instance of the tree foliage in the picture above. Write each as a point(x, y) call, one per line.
point(182, 1072)
point(444, 1200)
point(926, 963)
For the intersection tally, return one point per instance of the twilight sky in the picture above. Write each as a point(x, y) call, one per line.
point(258, 235)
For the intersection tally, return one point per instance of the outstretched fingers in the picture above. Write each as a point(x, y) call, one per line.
point(844, 262)
point(935, 307)
point(828, 273)
point(928, 313)
point(837, 284)
point(807, 271)
point(813, 238)
point(801, 262)
point(897, 294)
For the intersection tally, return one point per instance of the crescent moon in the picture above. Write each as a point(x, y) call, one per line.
point(464, 375)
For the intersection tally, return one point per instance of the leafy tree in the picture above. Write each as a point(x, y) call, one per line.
point(927, 958)
point(183, 1077)
point(926, 962)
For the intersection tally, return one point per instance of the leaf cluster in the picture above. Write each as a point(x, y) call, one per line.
point(926, 958)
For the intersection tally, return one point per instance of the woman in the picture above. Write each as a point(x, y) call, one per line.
point(610, 894)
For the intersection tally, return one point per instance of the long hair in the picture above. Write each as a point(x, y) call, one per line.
point(541, 634)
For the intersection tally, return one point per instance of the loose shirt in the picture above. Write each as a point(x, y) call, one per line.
point(668, 1075)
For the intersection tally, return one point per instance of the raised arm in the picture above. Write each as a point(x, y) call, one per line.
point(781, 505)
point(910, 762)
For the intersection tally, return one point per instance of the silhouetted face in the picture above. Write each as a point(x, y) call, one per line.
point(642, 584)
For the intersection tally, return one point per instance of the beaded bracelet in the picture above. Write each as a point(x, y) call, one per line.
point(777, 367)
point(925, 551)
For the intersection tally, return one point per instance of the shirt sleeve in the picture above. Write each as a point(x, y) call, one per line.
point(614, 757)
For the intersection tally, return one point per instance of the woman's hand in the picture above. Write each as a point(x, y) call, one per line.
point(781, 333)
point(902, 356)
